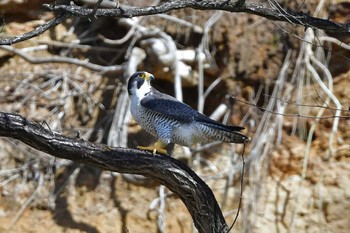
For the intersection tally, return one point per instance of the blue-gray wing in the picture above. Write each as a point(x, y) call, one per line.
point(171, 107)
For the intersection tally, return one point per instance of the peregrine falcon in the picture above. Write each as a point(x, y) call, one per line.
point(172, 121)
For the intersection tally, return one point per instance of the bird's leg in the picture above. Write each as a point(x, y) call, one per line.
point(159, 147)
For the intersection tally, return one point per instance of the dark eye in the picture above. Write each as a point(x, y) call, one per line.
point(140, 82)
point(142, 75)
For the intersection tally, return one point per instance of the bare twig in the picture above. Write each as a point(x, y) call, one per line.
point(37, 31)
point(327, 89)
point(8, 180)
point(298, 105)
point(335, 41)
point(296, 115)
point(241, 192)
point(57, 59)
point(196, 28)
point(75, 44)
point(161, 218)
point(122, 40)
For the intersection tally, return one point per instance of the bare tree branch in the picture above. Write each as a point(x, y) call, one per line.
point(37, 31)
point(175, 175)
point(123, 11)
point(277, 14)
point(116, 69)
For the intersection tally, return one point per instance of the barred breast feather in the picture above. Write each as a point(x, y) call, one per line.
point(181, 124)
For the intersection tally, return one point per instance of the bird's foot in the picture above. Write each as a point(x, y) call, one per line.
point(158, 147)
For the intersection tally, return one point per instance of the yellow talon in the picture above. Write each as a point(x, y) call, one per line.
point(158, 147)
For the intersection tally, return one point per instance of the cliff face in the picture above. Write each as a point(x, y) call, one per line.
point(295, 180)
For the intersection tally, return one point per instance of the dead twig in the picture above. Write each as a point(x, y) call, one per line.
point(116, 69)
point(37, 31)
point(297, 115)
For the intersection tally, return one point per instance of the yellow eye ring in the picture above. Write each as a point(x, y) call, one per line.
point(146, 76)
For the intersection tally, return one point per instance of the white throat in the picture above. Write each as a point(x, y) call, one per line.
point(136, 98)
point(143, 90)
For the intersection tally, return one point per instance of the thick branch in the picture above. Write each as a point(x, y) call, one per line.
point(277, 14)
point(175, 175)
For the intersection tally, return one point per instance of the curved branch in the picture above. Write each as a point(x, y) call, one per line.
point(122, 11)
point(175, 175)
point(277, 14)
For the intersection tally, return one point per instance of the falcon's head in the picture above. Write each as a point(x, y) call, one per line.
point(140, 83)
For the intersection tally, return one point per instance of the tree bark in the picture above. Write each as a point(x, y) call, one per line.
point(276, 14)
point(175, 175)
